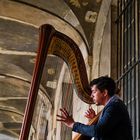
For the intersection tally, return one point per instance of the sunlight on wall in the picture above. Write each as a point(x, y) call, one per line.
point(5, 137)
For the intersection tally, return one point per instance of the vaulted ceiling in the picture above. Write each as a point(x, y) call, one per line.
point(19, 36)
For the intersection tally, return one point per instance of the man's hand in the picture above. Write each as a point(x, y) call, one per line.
point(90, 113)
point(65, 118)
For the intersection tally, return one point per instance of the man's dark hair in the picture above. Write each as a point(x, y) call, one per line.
point(105, 82)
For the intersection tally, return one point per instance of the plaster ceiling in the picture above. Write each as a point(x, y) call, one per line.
point(19, 23)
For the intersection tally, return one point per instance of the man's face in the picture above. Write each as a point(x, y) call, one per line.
point(97, 95)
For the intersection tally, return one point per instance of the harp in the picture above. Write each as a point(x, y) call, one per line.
point(56, 43)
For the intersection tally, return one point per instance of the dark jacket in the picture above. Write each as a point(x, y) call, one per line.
point(114, 123)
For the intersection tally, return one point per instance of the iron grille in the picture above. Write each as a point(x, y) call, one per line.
point(128, 58)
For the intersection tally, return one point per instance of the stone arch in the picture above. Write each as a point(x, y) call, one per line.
point(98, 51)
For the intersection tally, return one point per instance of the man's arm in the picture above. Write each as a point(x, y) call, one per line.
point(108, 121)
point(104, 126)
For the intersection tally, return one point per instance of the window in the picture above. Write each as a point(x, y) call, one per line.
point(128, 58)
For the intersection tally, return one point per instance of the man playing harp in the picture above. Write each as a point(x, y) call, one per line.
point(114, 122)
